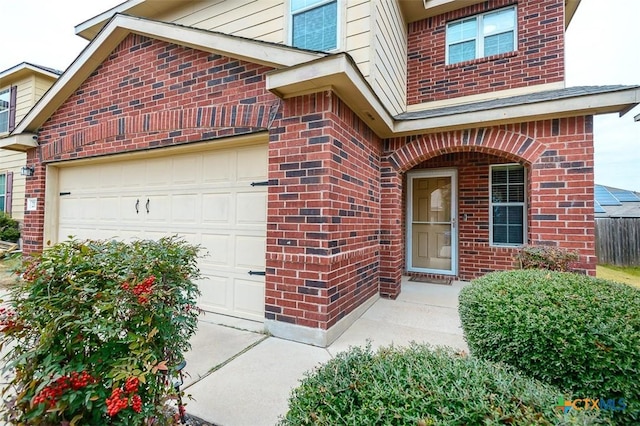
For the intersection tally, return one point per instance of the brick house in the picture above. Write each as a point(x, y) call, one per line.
point(321, 151)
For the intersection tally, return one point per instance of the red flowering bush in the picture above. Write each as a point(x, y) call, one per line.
point(92, 326)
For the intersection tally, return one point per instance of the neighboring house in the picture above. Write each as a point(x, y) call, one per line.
point(21, 86)
point(617, 213)
point(396, 138)
point(615, 202)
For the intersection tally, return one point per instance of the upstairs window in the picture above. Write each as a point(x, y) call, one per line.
point(508, 210)
point(482, 35)
point(5, 102)
point(314, 24)
point(7, 109)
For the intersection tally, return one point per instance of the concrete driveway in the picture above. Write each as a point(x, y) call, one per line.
point(240, 377)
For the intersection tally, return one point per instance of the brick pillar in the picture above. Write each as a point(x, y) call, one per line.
point(561, 199)
point(391, 229)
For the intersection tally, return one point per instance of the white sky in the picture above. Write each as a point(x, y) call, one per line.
point(602, 48)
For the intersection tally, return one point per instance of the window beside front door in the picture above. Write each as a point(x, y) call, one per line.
point(481, 35)
point(314, 24)
point(507, 205)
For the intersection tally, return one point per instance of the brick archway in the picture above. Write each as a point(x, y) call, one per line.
point(511, 145)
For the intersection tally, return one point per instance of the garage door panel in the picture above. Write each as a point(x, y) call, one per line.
point(214, 293)
point(251, 208)
point(184, 209)
point(250, 252)
point(216, 208)
point(216, 168)
point(252, 164)
point(109, 207)
point(204, 197)
point(249, 297)
point(186, 170)
point(219, 247)
point(129, 208)
point(158, 173)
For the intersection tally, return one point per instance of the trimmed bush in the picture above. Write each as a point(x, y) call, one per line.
point(544, 257)
point(91, 328)
point(423, 387)
point(578, 333)
point(9, 228)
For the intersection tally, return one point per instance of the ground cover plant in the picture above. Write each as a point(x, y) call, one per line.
point(92, 326)
point(576, 332)
point(422, 386)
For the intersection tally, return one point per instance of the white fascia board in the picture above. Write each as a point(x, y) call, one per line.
point(121, 26)
point(263, 53)
point(106, 15)
point(599, 103)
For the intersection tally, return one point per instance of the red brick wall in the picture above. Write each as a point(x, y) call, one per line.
point(539, 57)
point(148, 94)
point(558, 155)
point(324, 210)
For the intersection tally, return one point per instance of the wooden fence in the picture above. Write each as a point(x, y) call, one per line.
point(618, 241)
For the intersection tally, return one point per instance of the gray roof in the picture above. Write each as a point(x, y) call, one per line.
point(548, 95)
point(615, 202)
point(43, 68)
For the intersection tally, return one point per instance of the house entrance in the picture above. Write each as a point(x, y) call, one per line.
point(431, 221)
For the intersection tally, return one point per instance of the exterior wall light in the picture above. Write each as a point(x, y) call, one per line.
point(27, 171)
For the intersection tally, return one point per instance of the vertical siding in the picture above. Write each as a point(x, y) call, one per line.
point(389, 62)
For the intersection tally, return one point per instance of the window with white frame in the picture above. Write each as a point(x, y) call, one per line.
point(481, 35)
point(5, 103)
point(508, 206)
point(314, 24)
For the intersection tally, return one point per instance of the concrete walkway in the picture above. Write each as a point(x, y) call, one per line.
point(241, 377)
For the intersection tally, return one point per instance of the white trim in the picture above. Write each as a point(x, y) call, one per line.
point(525, 213)
point(416, 174)
point(480, 35)
point(340, 20)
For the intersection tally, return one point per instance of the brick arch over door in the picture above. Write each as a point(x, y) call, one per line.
point(510, 145)
point(406, 153)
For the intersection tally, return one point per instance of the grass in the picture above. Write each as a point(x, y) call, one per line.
point(626, 275)
point(7, 265)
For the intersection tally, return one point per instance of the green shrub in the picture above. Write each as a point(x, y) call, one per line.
point(544, 257)
point(576, 332)
point(9, 228)
point(421, 386)
point(92, 326)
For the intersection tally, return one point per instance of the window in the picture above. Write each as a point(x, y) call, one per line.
point(314, 24)
point(5, 102)
point(481, 36)
point(507, 207)
point(3, 192)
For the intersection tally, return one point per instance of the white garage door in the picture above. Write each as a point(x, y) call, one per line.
point(205, 197)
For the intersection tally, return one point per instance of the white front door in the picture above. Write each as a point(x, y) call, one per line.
point(431, 221)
